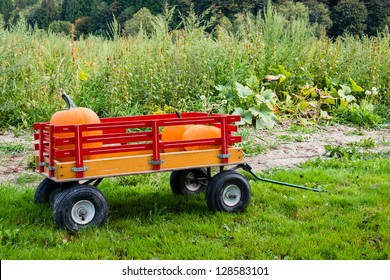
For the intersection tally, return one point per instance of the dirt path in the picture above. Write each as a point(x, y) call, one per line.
point(16, 151)
point(289, 149)
point(281, 147)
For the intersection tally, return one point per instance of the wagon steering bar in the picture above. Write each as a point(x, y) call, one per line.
point(248, 168)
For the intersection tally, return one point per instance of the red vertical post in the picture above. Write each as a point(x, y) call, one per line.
point(51, 151)
point(224, 146)
point(79, 152)
point(41, 159)
point(156, 146)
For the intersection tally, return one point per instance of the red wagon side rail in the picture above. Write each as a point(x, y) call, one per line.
point(126, 145)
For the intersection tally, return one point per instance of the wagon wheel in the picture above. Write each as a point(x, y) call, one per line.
point(54, 196)
point(228, 191)
point(189, 181)
point(79, 207)
point(44, 190)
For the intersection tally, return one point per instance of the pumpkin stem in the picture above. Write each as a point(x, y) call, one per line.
point(178, 114)
point(69, 102)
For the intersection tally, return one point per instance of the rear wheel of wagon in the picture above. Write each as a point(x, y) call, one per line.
point(44, 190)
point(79, 207)
point(189, 181)
point(228, 191)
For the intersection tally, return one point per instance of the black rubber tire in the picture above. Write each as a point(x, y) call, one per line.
point(56, 199)
point(228, 191)
point(54, 195)
point(189, 181)
point(44, 190)
point(72, 200)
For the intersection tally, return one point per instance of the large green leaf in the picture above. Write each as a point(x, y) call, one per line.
point(252, 82)
point(327, 97)
point(324, 115)
point(266, 118)
point(254, 111)
point(259, 99)
point(269, 95)
point(224, 92)
point(270, 98)
point(355, 87)
point(303, 105)
point(285, 73)
point(246, 116)
point(345, 90)
point(243, 91)
point(221, 88)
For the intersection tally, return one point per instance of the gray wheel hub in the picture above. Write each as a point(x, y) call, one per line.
point(192, 183)
point(83, 212)
point(231, 195)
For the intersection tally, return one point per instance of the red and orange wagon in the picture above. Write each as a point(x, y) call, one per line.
point(75, 158)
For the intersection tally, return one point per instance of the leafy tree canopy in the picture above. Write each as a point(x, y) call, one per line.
point(357, 17)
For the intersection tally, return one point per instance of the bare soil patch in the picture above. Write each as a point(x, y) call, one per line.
point(289, 149)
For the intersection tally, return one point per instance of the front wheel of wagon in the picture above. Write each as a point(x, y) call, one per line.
point(80, 207)
point(44, 190)
point(228, 191)
point(189, 181)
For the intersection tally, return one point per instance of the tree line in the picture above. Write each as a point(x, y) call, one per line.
point(335, 17)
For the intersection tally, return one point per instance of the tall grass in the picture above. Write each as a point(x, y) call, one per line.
point(141, 74)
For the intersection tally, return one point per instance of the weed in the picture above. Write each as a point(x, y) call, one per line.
point(8, 236)
point(340, 151)
point(10, 147)
point(292, 138)
point(384, 142)
point(366, 143)
point(249, 144)
point(362, 115)
point(285, 138)
point(302, 129)
point(28, 179)
point(358, 131)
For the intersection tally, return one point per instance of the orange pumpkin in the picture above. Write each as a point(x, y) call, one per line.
point(202, 132)
point(173, 133)
point(75, 115)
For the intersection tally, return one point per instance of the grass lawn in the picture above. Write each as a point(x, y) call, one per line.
point(146, 221)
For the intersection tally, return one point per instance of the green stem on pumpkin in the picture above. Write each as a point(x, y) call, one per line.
point(69, 102)
point(178, 114)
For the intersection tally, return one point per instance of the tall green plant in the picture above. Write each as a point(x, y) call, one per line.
point(254, 105)
point(141, 74)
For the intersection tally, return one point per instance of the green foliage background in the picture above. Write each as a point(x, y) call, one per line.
point(146, 73)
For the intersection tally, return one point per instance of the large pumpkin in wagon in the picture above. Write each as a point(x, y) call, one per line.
point(200, 131)
point(75, 115)
point(174, 133)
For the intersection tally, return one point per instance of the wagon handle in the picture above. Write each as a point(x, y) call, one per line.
point(248, 168)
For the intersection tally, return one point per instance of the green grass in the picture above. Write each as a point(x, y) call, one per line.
point(10, 148)
point(349, 221)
